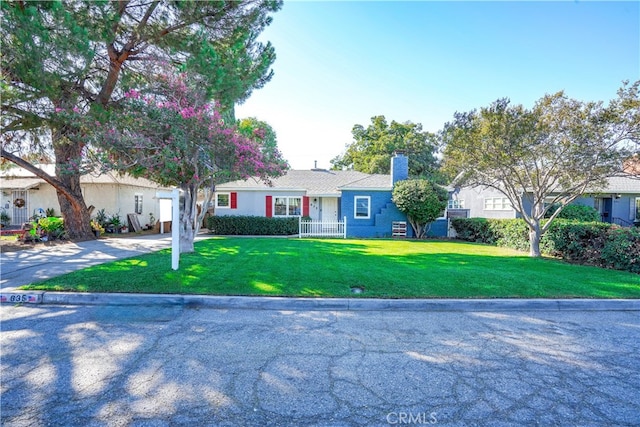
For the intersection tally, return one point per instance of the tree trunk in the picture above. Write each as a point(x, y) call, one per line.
point(534, 240)
point(418, 230)
point(535, 231)
point(208, 196)
point(188, 213)
point(77, 219)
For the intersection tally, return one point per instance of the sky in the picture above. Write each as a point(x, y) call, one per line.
point(339, 64)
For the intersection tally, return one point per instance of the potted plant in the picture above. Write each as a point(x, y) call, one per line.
point(5, 219)
point(116, 223)
point(96, 227)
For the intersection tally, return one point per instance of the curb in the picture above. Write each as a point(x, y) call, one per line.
point(320, 304)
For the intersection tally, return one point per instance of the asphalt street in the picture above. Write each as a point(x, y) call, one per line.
point(102, 365)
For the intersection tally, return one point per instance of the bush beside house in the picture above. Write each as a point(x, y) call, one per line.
point(252, 226)
point(591, 243)
point(576, 212)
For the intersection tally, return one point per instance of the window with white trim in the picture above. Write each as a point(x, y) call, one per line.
point(362, 207)
point(295, 206)
point(287, 206)
point(455, 204)
point(223, 200)
point(637, 208)
point(137, 204)
point(497, 204)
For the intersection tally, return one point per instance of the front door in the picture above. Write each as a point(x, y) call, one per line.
point(20, 207)
point(604, 206)
point(329, 209)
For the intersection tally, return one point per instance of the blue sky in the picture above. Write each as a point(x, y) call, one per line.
point(340, 63)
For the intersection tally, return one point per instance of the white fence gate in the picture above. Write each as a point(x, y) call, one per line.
point(322, 228)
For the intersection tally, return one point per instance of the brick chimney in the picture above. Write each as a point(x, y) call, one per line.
point(399, 167)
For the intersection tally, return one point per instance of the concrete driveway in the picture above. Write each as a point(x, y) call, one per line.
point(174, 365)
point(31, 265)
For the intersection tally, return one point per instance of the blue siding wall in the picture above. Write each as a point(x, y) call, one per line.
point(383, 213)
point(438, 228)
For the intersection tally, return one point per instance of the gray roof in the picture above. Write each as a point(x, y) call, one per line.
point(316, 182)
point(625, 184)
point(19, 178)
point(371, 182)
point(621, 184)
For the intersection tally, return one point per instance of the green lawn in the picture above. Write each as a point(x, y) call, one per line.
point(329, 268)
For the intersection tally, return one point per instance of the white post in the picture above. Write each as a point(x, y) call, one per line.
point(175, 229)
point(175, 224)
point(345, 227)
point(299, 227)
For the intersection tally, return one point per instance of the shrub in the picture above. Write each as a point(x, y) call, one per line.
point(422, 201)
point(511, 233)
point(580, 213)
point(52, 226)
point(252, 226)
point(5, 219)
point(578, 241)
point(102, 218)
point(474, 230)
point(593, 243)
point(621, 250)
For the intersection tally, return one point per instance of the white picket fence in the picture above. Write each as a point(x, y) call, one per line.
point(322, 228)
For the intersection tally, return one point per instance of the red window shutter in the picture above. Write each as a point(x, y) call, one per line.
point(234, 200)
point(269, 207)
point(305, 206)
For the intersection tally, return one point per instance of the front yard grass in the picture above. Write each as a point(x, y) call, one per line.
point(330, 268)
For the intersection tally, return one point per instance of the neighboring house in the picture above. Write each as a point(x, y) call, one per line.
point(324, 195)
point(23, 195)
point(618, 202)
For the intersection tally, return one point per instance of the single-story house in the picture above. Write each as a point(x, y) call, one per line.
point(618, 202)
point(323, 195)
point(23, 195)
point(365, 200)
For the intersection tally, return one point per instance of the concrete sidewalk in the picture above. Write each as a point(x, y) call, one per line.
point(28, 266)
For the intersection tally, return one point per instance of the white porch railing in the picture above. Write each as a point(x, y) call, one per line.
point(322, 228)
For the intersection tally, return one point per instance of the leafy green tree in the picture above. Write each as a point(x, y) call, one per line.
point(255, 129)
point(82, 56)
point(373, 147)
point(173, 136)
point(545, 156)
point(422, 201)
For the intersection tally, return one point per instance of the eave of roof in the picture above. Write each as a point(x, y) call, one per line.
point(315, 182)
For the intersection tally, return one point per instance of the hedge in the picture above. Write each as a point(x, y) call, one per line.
point(252, 226)
point(576, 213)
point(592, 243)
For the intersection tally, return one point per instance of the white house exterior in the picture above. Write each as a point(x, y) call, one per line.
point(23, 195)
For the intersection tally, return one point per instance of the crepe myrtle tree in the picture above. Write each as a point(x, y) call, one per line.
point(173, 136)
point(546, 156)
point(422, 201)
